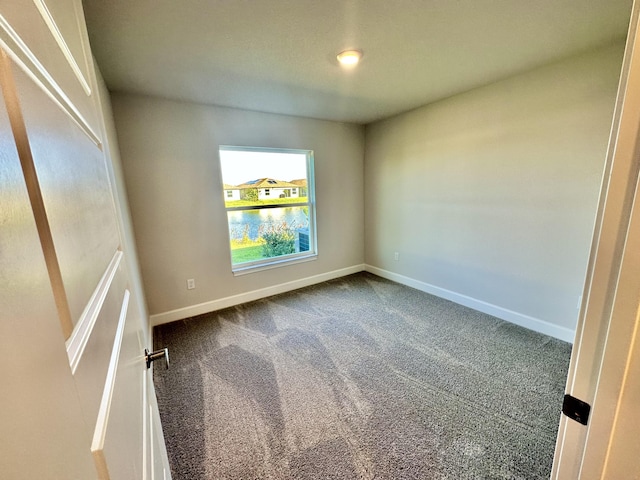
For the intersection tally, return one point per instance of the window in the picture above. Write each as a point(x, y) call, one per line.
point(229, 193)
point(269, 227)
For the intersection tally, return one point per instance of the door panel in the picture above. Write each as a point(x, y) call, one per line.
point(158, 460)
point(76, 192)
point(61, 16)
point(42, 434)
point(91, 372)
point(118, 438)
point(23, 20)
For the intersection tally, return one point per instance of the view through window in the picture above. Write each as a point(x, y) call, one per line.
point(268, 195)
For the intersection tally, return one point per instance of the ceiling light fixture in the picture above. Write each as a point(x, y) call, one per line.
point(349, 57)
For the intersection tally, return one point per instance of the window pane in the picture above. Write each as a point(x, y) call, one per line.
point(266, 233)
point(270, 206)
point(263, 178)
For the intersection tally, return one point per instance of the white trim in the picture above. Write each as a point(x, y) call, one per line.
point(20, 53)
point(219, 304)
point(152, 460)
point(581, 452)
point(55, 31)
point(100, 432)
point(82, 331)
point(526, 321)
point(275, 262)
point(516, 318)
point(147, 438)
point(253, 268)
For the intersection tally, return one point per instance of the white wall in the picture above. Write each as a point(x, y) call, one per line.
point(170, 160)
point(490, 196)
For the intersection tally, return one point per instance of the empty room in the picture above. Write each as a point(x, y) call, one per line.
point(337, 239)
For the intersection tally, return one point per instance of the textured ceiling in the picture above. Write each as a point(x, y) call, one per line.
point(279, 55)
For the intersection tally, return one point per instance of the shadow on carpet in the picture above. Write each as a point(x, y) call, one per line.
point(358, 378)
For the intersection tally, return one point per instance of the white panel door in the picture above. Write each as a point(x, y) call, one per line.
point(42, 435)
point(89, 395)
point(109, 366)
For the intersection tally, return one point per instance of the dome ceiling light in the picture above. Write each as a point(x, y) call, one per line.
point(349, 58)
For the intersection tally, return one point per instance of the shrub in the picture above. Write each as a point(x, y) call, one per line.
point(251, 194)
point(278, 240)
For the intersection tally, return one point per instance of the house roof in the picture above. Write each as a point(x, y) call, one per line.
point(266, 183)
point(226, 186)
point(301, 182)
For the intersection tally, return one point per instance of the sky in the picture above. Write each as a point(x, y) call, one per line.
point(239, 167)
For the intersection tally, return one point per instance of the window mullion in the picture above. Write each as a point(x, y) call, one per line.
point(260, 207)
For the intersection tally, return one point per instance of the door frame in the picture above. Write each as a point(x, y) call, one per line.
point(608, 319)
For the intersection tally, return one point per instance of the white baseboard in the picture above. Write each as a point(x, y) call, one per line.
point(526, 321)
point(219, 304)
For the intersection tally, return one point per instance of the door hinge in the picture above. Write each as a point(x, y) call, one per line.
point(576, 409)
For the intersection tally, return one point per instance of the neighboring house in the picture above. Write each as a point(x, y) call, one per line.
point(231, 193)
point(302, 186)
point(269, 188)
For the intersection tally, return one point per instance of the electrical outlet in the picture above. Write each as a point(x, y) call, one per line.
point(191, 284)
point(396, 256)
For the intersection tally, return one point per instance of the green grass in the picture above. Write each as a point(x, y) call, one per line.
point(240, 254)
point(256, 203)
point(246, 254)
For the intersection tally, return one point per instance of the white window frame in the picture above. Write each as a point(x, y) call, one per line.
point(283, 260)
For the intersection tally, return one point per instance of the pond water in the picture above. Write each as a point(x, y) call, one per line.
point(256, 222)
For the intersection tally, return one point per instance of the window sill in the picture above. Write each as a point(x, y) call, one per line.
point(240, 270)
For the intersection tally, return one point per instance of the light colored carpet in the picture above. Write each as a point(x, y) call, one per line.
point(358, 378)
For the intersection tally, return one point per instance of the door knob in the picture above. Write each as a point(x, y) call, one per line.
point(151, 357)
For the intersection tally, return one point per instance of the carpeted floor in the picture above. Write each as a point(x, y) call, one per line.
point(358, 378)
